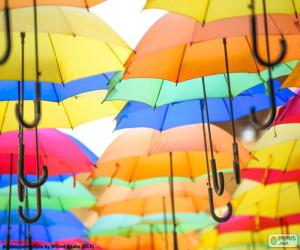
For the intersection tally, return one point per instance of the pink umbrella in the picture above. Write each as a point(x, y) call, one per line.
point(290, 113)
point(56, 150)
point(270, 176)
point(252, 223)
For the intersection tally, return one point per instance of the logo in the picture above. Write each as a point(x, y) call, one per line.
point(283, 240)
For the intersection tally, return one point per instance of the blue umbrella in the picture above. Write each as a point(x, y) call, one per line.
point(54, 92)
point(136, 114)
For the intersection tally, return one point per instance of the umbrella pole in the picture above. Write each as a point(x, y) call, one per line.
point(152, 237)
point(175, 240)
point(210, 193)
point(236, 162)
point(218, 178)
point(165, 223)
point(267, 63)
point(9, 204)
point(28, 224)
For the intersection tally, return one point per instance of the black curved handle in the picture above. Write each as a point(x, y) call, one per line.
point(218, 178)
point(212, 208)
point(21, 191)
point(37, 108)
point(22, 178)
point(7, 51)
point(236, 163)
point(272, 117)
point(38, 208)
point(283, 45)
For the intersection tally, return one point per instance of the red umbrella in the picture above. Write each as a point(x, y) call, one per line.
point(56, 150)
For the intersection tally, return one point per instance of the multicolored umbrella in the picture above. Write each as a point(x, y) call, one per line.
point(208, 11)
point(132, 226)
point(154, 241)
point(136, 114)
point(55, 195)
point(274, 200)
point(158, 92)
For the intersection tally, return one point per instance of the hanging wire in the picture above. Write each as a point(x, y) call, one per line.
point(175, 240)
point(236, 162)
point(218, 177)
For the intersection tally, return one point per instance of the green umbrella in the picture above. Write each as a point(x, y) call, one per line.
point(158, 92)
point(55, 195)
point(131, 225)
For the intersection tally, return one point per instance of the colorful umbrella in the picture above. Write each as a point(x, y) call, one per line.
point(154, 241)
point(158, 92)
point(132, 226)
point(55, 195)
point(70, 160)
point(208, 11)
point(53, 92)
point(274, 200)
point(290, 112)
point(136, 114)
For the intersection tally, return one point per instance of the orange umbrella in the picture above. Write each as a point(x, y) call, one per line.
point(154, 241)
point(193, 190)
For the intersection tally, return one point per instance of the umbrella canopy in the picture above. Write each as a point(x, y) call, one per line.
point(253, 223)
point(136, 114)
point(142, 153)
point(148, 206)
point(48, 218)
point(57, 56)
point(132, 226)
point(158, 92)
point(293, 79)
point(181, 189)
point(53, 92)
point(68, 21)
point(155, 241)
point(67, 114)
point(274, 200)
point(55, 195)
point(75, 3)
point(208, 11)
point(69, 160)
point(290, 112)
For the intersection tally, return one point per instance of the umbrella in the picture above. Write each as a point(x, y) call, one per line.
point(55, 195)
point(208, 11)
point(274, 200)
point(53, 92)
point(136, 114)
point(154, 241)
point(158, 92)
point(70, 160)
point(293, 79)
point(290, 112)
point(253, 223)
point(132, 226)
point(74, 3)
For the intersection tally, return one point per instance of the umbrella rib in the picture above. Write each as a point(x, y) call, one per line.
point(158, 94)
point(115, 54)
point(56, 96)
point(181, 61)
point(5, 113)
point(67, 21)
point(164, 118)
point(206, 13)
point(253, 57)
point(56, 59)
point(62, 103)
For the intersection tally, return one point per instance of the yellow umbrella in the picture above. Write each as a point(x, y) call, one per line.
point(63, 20)
point(210, 10)
point(274, 200)
point(66, 114)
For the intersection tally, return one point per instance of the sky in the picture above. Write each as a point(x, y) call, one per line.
point(130, 21)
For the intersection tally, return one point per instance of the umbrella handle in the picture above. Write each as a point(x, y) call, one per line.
point(37, 108)
point(272, 117)
point(283, 45)
point(7, 51)
point(38, 208)
point(212, 208)
point(236, 163)
point(218, 178)
point(22, 178)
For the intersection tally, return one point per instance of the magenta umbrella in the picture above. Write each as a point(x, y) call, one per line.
point(56, 150)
